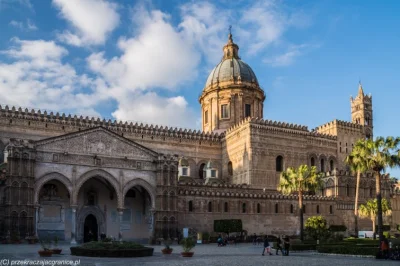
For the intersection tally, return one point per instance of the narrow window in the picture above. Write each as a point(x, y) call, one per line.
point(230, 168)
point(331, 165)
point(330, 209)
point(347, 190)
point(206, 117)
point(244, 208)
point(304, 208)
point(226, 208)
point(317, 208)
point(224, 111)
point(258, 208)
point(276, 208)
point(209, 207)
point(247, 110)
point(322, 165)
point(201, 171)
point(279, 163)
point(312, 161)
point(371, 192)
point(190, 206)
point(291, 208)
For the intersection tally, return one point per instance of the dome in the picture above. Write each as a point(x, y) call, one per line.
point(231, 68)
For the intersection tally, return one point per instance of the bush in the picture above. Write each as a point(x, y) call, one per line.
point(111, 245)
point(347, 249)
point(228, 226)
point(385, 227)
point(315, 227)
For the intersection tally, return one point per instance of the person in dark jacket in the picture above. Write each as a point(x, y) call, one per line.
point(279, 245)
point(266, 246)
point(286, 245)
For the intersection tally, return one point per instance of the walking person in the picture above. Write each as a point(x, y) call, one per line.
point(254, 239)
point(279, 245)
point(266, 246)
point(286, 245)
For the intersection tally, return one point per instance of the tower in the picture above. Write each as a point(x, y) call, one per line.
point(231, 93)
point(361, 111)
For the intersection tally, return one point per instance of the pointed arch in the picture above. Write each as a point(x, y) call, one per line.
point(143, 183)
point(48, 177)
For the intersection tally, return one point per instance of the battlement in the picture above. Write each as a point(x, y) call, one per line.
point(281, 126)
point(118, 126)
point(341, 123)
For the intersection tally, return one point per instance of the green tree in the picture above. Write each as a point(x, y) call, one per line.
point(380, 155)
point(370, 210)
point(301, 180)
point(358, 165)
point(316, 227)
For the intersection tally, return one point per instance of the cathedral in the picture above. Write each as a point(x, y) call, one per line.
point(80, 177)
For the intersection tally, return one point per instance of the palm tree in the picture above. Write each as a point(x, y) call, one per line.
point(379, 155)
point(358, 165)
point(300, 180)
point(370, 210)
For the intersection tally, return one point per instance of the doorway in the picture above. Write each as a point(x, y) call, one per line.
point(90, 231)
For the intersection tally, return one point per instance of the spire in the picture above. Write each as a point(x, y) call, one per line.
point(231, 49)
point(360, 89)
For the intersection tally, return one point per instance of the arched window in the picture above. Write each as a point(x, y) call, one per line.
point(165, 175)
point(14, 222)
point(347, 190)
point(24, 193)
point(190, 206)
point(279, 163)
point(201, 171)
point(172, 176)
point(312, 161)
point(322, 165)
point(276, 208)
point(230, 168)
point(165, 201)
point(331, 165)
point(258, 208)
point(244, 208)
point(304, 208)
point(226, 207)
point(330, 209)
point(291, 208)
point(14, 193)
point(371, 192)
point(317, 208)
point(210, 207)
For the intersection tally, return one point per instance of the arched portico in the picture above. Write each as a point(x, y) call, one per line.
point(83, 213)
point(48, 177)
point(142, 183)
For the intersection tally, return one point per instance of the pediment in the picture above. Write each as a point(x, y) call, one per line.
point(96, 141)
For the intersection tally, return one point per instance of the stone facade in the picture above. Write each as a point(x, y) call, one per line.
point(67, 175)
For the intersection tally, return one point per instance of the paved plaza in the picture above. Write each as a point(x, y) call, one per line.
point(241, 254)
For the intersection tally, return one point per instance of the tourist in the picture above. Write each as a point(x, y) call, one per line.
point(385, 248)
point(286, 246)
point(279, 245)
point(266, 246)
point(254, 239)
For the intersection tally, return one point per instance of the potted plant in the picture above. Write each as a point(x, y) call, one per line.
point(56, 250)
point(46, 251)
point(187, 245)
point(206, 238)
point(167, 249)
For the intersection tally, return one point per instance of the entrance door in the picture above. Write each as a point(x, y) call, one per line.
point(90, 230)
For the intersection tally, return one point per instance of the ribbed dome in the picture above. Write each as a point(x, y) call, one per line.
point(231, 68)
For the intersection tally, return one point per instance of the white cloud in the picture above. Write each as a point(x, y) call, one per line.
point(38, 78)
point(30, 26)
point(92, 20)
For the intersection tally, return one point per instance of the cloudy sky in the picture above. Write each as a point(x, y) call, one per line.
point(147, 61)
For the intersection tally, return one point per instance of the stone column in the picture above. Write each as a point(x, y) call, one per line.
point(73, 224)
point(120, 214)
point(36, 219)
point(151, 226)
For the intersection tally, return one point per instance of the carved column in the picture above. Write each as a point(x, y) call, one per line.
point(120, 214)
point(73, 224)
point(151, 226)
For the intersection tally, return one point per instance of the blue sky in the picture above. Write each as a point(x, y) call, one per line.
point(148, 60)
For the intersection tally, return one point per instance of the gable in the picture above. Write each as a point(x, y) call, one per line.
point(96, 141)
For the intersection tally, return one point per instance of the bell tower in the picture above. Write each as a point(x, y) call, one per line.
point(361, 111)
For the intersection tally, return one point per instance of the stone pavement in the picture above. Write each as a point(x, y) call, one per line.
point(241, 254)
